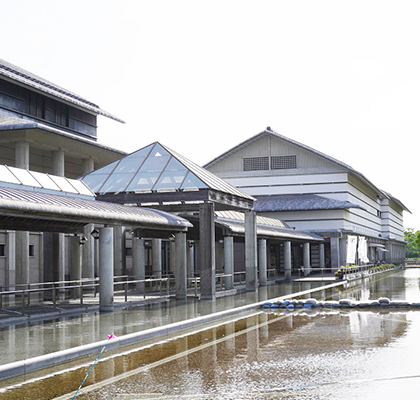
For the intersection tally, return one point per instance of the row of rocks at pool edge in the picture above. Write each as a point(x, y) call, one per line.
point(382, 302)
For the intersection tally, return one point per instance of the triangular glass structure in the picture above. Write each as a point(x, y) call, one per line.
point(151, 169)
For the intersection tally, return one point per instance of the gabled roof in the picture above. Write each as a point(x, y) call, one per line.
point(299, 202)
point(390, 196)
point(157, 169)
point(270, 132)
point(26, 78)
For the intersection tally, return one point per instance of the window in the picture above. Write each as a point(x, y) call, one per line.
point(283, 162)
point(256, 164)
point(2, 250)
point(31, 250)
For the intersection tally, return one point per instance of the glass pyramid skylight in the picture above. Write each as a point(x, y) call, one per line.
point(152, 168)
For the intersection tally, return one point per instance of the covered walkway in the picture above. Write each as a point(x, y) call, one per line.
point(31, 201)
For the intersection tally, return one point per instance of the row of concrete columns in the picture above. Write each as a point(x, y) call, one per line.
point(22, 158)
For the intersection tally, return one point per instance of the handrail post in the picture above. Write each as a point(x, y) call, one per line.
point(144, 289)
point(54, 299)
point(23, 301)
point(126, 291)
point(29, 294)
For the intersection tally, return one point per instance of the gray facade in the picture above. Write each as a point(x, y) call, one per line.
point(312, 191)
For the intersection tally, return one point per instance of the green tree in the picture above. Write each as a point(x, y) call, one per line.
point(413, 243)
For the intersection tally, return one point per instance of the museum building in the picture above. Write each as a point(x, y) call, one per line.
point(267, 209)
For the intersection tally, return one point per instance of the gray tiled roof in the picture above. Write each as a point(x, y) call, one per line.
point(299, 202)
point(35, 204)
point(270, 231)
point(27, 78)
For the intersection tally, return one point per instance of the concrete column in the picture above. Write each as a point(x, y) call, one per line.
point(22, 237)
point(335, 253)
point(220, 259)
point(22, 155)
point(88, 253)
point(229, 262)
point(262, 261)
point(157, 258)
point(58, 164)
point(75, 262)
point(207, 251)
point(22, 257)
point(306, 259)
point(106, 269)
point(172, 257)
point(190, 259)
point(322, 257)
point(139, 264)
point(180, 265)
point(88, 250)
point(119, 250)
point(10, 259)
point(88, 165)
point(10, 278)
point(59, 249)
point(251, 263)
point(287, 260)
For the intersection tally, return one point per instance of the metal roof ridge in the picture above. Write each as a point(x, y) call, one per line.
point(28, 78)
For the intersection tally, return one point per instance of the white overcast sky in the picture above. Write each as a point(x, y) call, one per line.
point(202, 76)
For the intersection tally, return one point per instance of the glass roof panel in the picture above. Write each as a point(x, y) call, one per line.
point(7, 176)
point(171, 180)
point(81, 187)
point(143, 181)
point(175, 165)
point(116, 183)
point(192, 182)
point(142, 152)
point(95, 181)
point(129, 164)
point(45, 180)
point(155, 163)
point(107, 169)
point(25, 177)
point(63, 183)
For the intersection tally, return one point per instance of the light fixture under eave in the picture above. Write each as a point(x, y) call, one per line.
point(95, 234)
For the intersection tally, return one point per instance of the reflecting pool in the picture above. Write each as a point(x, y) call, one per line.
point(325, 354)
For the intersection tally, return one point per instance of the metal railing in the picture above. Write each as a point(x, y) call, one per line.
point(60, 291)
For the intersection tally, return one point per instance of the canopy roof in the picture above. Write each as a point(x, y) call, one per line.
point(29, 201)
point(232, 223)
point(160, 177)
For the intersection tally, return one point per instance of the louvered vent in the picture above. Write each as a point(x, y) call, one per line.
point(283, 162)
point(256, 163)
